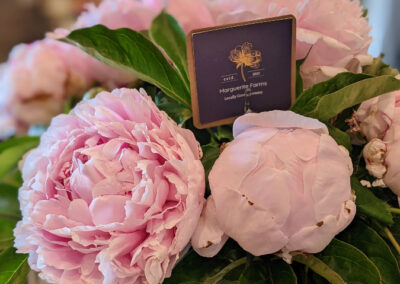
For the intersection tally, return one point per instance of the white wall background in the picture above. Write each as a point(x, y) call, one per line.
point(384, 16)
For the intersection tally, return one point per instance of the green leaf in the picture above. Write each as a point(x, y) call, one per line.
point(225, 132)
point(350, 263)
point(342, 138)
point(327, 99)
point(168, 34)
point(174, 109)
point(13, 178)
point(7, 226)
point(9, 204)
point(14, 267)
point(12, 151)
point(133, 53)
point(369, 242)
point(378, 67)
point(210, 154)
point(320, 268)
point(299, 79)
point(310, 97)
point(271, 271)
point(195, 269)
point(369, 205)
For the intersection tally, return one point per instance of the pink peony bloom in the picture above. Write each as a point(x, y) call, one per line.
point(115, 14)
point(335, 29)
point(379, 120)
point(112, 194)
point(35, 83)
point(288, 183)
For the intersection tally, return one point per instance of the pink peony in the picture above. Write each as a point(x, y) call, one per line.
point(115, 14)
point(287, 182)
point(112, 194)
point(335, 29)
point(378, 120)
point(35, 83)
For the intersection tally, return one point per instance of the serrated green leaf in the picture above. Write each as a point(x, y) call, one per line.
point(325, 100)
point(369, 205)
point(168, 34)
point(14, 267)
point(179, 113)
point(133, 53)
point(342, 138)
point(378, 67)
point(13, 150)
point(350, 263)
point(271, 271)
point(375, 248)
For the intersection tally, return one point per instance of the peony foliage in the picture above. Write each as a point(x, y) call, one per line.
point(367, 251)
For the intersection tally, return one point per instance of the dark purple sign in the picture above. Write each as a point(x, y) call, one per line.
point(246, 67)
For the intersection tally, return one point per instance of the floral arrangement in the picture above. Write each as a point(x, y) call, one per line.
point(120, 187)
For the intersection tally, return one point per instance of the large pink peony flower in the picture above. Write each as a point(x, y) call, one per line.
point(287, 183)
point(378, 119)
point(112, 194)
point(35, 83)
point(335, 29)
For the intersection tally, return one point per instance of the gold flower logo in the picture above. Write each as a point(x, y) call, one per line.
point(244, 56)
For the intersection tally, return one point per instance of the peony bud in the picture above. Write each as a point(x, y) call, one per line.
point(374, 154)
point(288, 183)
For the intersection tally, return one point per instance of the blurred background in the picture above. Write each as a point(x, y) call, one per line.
point(27, 20)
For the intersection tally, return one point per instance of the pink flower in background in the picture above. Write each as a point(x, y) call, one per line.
point(287, 182)
point(115, 14)
point(379, 121)
point(336, 29)
point(35, 83)
point(112, 194)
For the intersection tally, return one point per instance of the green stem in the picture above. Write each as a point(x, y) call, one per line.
point(392, 239)
point(217, 277)
point(320, 268)
point(395, 210)
point(213, 135)
point(389, 235)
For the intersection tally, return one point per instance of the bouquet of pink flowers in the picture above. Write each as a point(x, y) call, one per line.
point(120, 187)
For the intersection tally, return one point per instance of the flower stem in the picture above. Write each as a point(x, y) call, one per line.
point(392, 239)
point(217, 277)
point(395, 210)
point(213, 135)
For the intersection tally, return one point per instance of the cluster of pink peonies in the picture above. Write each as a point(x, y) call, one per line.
point(336, 31)
point(115, 191)
point(378, 119)
point(278, 173)
point(112, 194)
